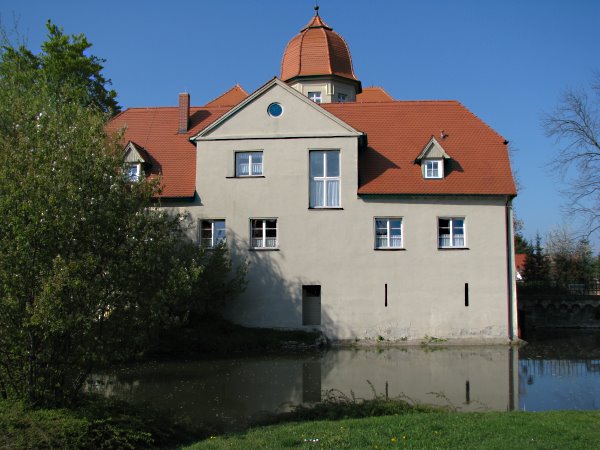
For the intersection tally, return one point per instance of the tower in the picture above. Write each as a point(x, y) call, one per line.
point(317, 62)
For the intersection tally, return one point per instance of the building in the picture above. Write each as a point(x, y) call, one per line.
point(361, 216)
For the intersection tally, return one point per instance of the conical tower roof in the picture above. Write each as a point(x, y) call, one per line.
point(317, 50)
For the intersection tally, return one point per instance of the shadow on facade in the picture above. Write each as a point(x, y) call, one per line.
point(272, 299)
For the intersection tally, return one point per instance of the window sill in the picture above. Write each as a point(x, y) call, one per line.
point(333, 208)
point(453, 248)
point(247, 176)
point(401, 249)
point(264, 249)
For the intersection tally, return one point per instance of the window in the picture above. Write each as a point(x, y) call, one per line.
point(134, 171)
point(248, 164)
point(388, 233)
point(212, 233)
point(433, 168)
point(342, 97)
point(275, 109)
point(315, 96)
point(263, 233)
point(451, 232)
point(324, 179)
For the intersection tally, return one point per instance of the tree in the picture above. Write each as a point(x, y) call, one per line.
point(576, 123)
point(572, 258)
point(88, 271)
point(62, 60)
point(521, 244)
point(537, 266)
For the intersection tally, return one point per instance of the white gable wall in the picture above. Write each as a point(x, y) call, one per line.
point(300, 117)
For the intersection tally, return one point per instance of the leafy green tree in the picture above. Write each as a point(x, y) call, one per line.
point(88, 271)
point(62, 60)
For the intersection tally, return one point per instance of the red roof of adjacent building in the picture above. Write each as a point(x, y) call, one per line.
point(173, 155)
point(520, 260)
point(397, 132)
point(373, 94)
point(317, 50)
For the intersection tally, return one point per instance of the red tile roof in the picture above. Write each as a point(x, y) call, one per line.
point(173, 155)
point(230, 98)
point(398, 131)
point(317, 50)
point(373, 94)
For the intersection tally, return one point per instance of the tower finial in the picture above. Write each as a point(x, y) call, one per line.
point(316, 7)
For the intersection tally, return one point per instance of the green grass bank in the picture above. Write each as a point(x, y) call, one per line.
point(427, 430)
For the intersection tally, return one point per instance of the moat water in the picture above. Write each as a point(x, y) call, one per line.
point(556, 370)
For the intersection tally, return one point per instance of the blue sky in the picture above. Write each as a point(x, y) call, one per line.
point(508, 61)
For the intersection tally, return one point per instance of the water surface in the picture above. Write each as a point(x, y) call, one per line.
point(552, 372)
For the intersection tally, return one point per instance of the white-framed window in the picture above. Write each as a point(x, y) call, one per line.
point(342, 97)
point(315, 96)
point(388, 232)
point(248, 164)
point(212, 232)
point(325, 179)
point(134, 171)
point(263, 233)
point(433, 168)
point(451, 232)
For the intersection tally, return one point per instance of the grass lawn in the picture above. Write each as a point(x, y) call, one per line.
point(494, 430)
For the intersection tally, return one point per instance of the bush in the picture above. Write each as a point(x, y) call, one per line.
point(95, 424)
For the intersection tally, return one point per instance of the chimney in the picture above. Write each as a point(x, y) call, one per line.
point(184, 112)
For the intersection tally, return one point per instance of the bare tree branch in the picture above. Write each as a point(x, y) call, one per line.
point(575, 124)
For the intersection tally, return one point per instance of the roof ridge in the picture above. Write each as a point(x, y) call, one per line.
point(399, 101)
point(484, 123)
point(328, 49)
point(153, 108)
point(237, 85)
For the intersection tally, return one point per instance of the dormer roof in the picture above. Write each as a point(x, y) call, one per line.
point(135, 154)
point(433, 150)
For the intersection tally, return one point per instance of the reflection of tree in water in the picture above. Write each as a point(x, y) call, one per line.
point(564, 361)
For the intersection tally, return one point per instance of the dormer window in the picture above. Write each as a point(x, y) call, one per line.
point(315, 96)
point(432, 159)
point(136, 159)
point(433, 168)
point(134, 171)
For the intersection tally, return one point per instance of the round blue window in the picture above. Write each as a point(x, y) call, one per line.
point(275, 109)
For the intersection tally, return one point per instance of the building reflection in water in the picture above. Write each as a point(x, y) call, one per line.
point(467, 379)
point(240, 391)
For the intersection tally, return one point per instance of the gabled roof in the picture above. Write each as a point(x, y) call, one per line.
point(136, 154)
point(230, 98)
point(396, 132)
point(275, 82)
point(373, 94)
point(173, 155)
point(433, 150)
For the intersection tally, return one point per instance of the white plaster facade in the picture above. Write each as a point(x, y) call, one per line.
point(407, 294)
